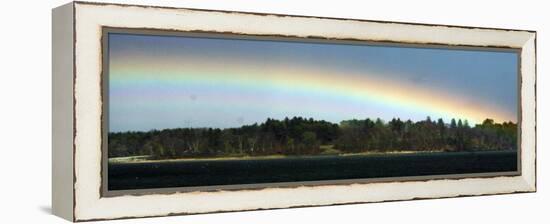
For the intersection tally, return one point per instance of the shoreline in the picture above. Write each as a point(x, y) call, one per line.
point(145, 158)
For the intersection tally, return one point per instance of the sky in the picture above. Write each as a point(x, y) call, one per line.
point(158, 82)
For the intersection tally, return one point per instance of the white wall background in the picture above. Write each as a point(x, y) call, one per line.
point(25, 121)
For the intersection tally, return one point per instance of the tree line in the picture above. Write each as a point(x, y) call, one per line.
point(301, 136)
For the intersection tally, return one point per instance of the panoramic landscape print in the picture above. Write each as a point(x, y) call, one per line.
point(188, 111)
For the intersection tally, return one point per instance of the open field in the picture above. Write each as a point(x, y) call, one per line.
point(188, 173)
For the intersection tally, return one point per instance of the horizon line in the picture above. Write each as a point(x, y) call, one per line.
point(321, 120)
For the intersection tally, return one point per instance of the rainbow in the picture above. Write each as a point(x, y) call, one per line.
point(237, 86)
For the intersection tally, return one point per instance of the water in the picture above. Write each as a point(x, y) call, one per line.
point(127, 176)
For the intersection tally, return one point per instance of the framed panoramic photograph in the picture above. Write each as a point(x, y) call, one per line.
point(162, 111)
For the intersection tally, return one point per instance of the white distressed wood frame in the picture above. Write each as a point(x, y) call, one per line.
point(77, 146)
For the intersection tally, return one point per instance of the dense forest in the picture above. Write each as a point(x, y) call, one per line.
point(301, 136)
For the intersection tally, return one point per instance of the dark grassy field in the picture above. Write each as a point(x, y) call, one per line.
point(127, 176)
